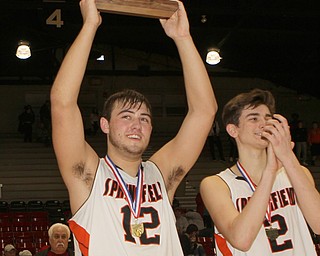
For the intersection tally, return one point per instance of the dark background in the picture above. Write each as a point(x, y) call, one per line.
point(277, 40)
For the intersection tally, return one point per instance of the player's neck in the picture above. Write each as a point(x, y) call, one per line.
point(128, 165)
point(254, 163)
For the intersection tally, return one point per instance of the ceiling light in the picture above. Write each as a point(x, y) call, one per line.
point(203, 18)
point(101, 58)
point(23, 50)
point(213, 57)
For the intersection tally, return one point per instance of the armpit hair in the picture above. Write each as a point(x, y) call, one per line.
point(79, 171)
point(176, 176)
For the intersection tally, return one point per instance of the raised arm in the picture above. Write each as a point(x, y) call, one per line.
point(76, 159)
point(177, 157)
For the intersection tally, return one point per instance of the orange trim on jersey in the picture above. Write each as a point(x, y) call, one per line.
point(82, 237)
point(222, 245)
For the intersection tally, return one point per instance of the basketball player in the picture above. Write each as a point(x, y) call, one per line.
point(259, 205)
point(121, 205)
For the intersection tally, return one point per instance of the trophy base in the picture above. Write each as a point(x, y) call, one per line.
point(160, 9)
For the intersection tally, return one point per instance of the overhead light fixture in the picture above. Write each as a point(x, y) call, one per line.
point(23, 50)
point(203, 18)
point(213, 56)
point(101, 58)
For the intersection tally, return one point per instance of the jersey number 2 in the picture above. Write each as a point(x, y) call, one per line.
point(287, 244)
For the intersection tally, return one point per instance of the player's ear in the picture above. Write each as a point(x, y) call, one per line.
point(232, 130)
point(104, 125)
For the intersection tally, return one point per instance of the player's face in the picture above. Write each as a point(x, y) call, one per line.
point(59, 240)
point(130, 129)
point(251, 123)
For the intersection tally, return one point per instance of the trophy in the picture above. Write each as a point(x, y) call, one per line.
point(160, 9)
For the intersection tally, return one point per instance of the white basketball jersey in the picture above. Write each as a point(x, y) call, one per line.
point(103, 225)
point(294, 238)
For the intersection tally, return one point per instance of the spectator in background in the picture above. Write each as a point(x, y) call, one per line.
point(189, 243)
point(201, 209)
point(26, 121)
point(59, 235)
point(25, 253)
point(10, 250)
point(294, 121)
point(181, 221)
point(45, 115)
point(194, 217)
point(301, 138)
point(175, 203)
point(94, 120)
point(200, 204)
point(293, 124)
point(45, 122)
point(314, 141)
point(214, 140)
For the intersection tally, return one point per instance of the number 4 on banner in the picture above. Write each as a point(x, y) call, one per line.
point(55, 19)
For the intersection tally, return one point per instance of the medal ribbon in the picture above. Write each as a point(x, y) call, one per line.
point(252, 187)
point(135, 205)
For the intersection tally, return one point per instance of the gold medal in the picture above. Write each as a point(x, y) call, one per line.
point(272, 233)
point(137, 229)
